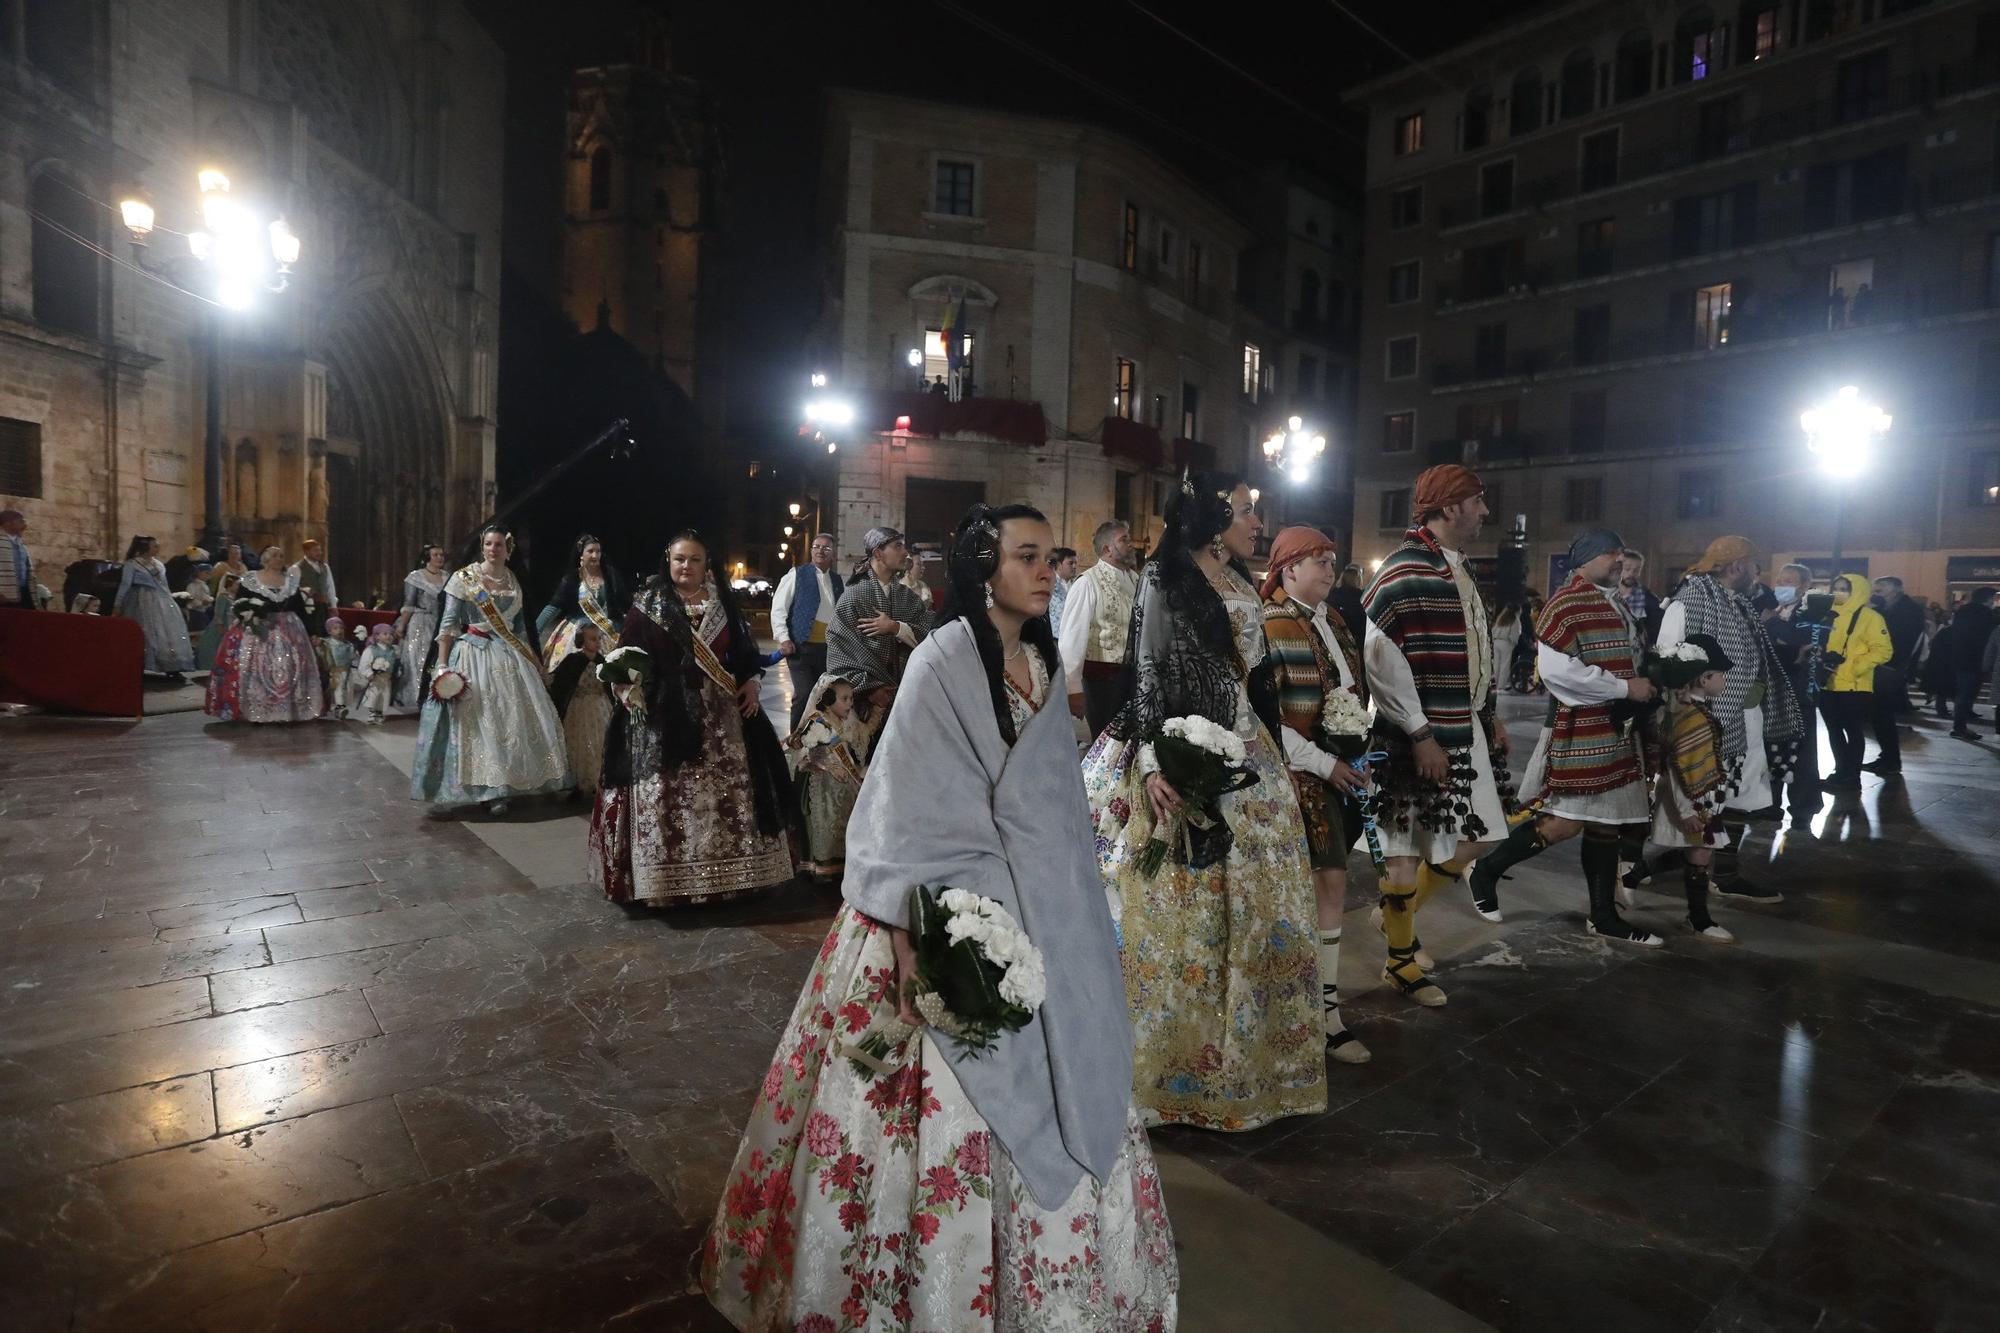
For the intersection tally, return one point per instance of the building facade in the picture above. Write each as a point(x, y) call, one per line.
point(1616, 262)
point(1098, 288)
point(356, 404)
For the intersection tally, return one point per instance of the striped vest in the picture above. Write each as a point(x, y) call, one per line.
point(1587, 755)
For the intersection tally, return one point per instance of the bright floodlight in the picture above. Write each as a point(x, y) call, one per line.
point(211, 181)
point(138, 215)
point(819, 379)
point(830, 411)
point(234, 294)
point(794, 507)
point(915, 358)
point(1295, 424)
point(1301, 473)
point(284, 243)
point(1843, 431)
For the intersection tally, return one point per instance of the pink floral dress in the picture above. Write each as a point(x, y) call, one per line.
point(878, 1201)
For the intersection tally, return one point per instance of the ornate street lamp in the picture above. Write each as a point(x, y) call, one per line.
point(1294, 449)
point(240, 252)
point(1842, 433)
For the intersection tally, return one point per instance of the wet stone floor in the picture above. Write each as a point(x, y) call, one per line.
point(279, 1052)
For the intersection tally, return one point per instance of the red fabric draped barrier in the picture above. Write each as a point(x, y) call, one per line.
point(934, 414)
point(1134, 440)
point(72, 664)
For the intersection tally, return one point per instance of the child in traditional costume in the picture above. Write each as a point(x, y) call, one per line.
point(1694, 779)
point(336, 657)
point(826, 764)
point(585, 704)
point(378, 671)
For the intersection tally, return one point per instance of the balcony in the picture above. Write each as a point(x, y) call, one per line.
point(937, 417)
point(1514, 365)
point(1909, 93)
point(1513, 447)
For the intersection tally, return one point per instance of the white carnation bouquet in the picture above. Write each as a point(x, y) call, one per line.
point(1344, 721)
point(978, 975)
point(1203, 762)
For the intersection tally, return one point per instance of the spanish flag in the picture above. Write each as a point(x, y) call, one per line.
point(953, 334)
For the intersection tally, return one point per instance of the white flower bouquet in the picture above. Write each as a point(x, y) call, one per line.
point(1344, 723)
point(1203, 762)
point(448, 685)
point(626, 666)
point(978, 978)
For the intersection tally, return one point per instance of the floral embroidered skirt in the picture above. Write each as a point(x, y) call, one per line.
point(689, 835)
point(265, 673)
point(880, 1202)
point(1221, 964)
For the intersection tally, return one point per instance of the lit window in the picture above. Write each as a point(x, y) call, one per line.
point(1125, 390)
point(1711, 315)
point(1769, 35)
point(1409, 134)
point(1128, 252)
point(936, 363)
point(1399, 432)
point(955, 188)
point(1253, 370)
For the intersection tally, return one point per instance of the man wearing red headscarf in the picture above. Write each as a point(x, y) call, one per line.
point(1431, 671)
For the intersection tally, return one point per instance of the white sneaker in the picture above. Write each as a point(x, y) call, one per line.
point(1713, 934)
point(1645, 939)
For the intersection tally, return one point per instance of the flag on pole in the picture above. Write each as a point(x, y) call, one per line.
point(954, 336)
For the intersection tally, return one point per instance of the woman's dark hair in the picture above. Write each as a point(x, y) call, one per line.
point(584, 539)
point(424, 553)
point(971, 557)
point(666, 552)
point(138, 547)
point(1197, 513)
point(479, 542)
point(1839, 579)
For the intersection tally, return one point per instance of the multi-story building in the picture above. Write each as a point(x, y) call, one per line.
point(1300, 283)
point(1614, 260)
point(356, 405)
point(1097, 285)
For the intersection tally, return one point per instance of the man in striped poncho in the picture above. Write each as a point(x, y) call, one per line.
point(1588, 771)
point(1430, 671)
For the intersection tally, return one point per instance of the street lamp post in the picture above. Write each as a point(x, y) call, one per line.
point(1842, 433)
point(239, 254)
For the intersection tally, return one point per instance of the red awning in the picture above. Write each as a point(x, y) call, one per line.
point(1134, 440)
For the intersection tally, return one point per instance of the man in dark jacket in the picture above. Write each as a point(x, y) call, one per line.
point(1970, 629)
point(1906, 634)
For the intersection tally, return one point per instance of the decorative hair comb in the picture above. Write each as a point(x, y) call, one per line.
point(1187, 483)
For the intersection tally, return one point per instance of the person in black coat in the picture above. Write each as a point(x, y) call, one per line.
point(1905, 619)
point(1970, 628)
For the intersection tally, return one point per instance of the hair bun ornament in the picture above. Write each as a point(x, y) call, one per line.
point(1187, 482)
point(978, 540)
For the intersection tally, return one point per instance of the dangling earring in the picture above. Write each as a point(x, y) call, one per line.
point(989, 597)
point(1215, 548)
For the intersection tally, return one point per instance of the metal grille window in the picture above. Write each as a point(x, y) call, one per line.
point(955, 188)
point(20, 458)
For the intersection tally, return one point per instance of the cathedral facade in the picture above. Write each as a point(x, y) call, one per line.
point(355, 405)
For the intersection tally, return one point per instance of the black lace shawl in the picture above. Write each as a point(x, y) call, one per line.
point(1181, 658)
point(617, 598)
point(671, 733)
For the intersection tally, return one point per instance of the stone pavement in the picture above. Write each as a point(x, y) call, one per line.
point(278, 1051)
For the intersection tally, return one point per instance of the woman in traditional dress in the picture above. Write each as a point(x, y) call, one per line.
point(499, 737)
point(143, 596)
point(210, 642)
point(926, 1188)
point(417, 624)
point(1219, 945)
point(265, 667)
point(826, 753)
point(592, 593)
point(695, 805)
point(586, 706)
point(230, 566)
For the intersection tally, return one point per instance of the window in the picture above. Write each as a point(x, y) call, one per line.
point(61, 42)
point(1253, 370)
point(1524, 103)
point(1600, 159)
point(1496, 188)
point(1594, 240)
point(1579, 85)
point(1489, 350)
point(64, 269)
point(1709, 222)
point(1394, 513)
point(1168, 241)
point(1859, 190)
point(1590, 337)
point(955, 188)
point(1400, 358)
point(1128, 252)
point(1307, 315)
point(1700, 493)
point(1588, 410)
point(1711, 316)
point(1766, 36)
point(1719, 127)
point(1194, 258)
point(1632, 73)
point(1850, 294)
point(600, 181)
point(1409, 135)
point(1495, 496)
point(1405, 281)
point(1475, 124)
point(1308, 385)
point(1399, 432)
point(1710, 52)
point(1861, 87)
point(1986, 383)
point(1985, 478)
point(1121, 496)
point(20, 458)
point(1190, 411)
point(936, 361)
point(1125, 390)
point(1406, 208)
point(1491, 270)
point(1583, 499)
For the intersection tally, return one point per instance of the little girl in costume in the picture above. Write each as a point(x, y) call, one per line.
point(585, 704)
point(336, 656)
point(1692, 780)
point(826, 763)
point(378, 671)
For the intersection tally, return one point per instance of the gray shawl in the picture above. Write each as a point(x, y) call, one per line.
point(868, 660)
point(948, 803)
point(1727, 614)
